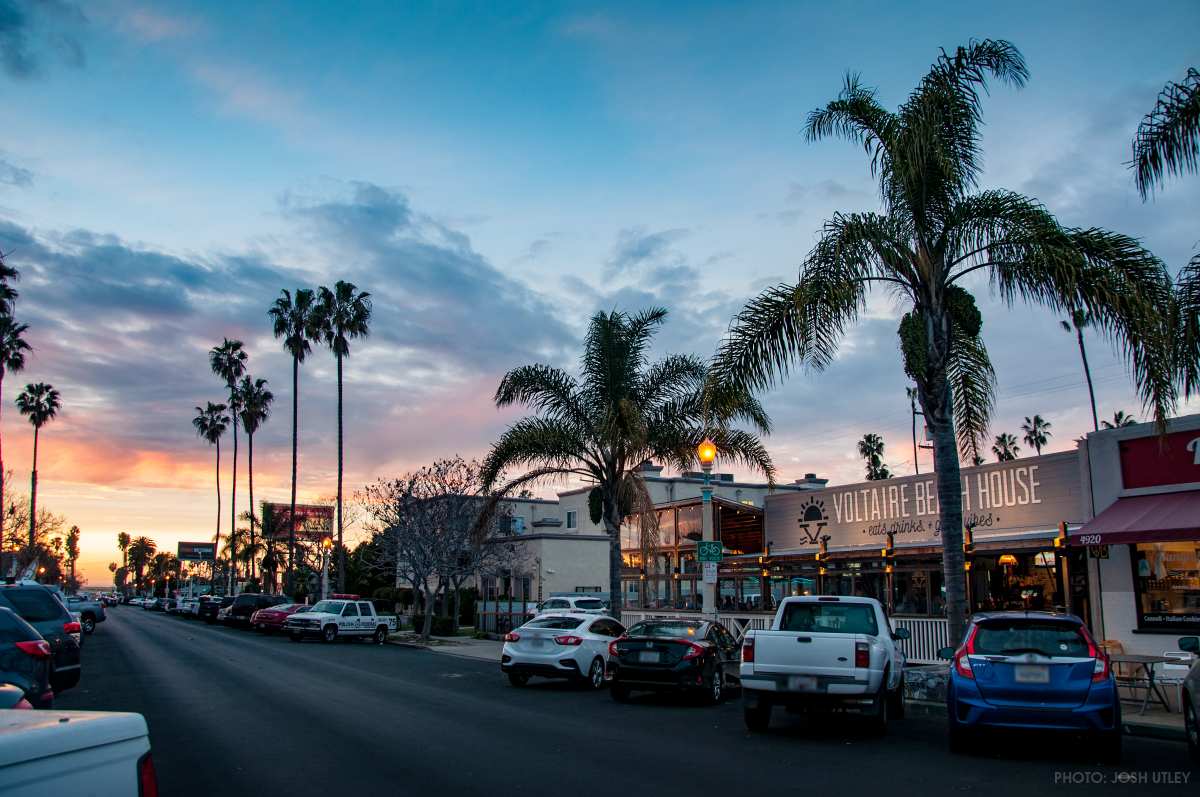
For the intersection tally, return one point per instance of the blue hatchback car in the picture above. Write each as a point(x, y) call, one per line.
point(1032, 671)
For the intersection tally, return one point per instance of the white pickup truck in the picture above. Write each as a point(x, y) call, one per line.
point(75, 752)
point(329, 619)
point(824, 652)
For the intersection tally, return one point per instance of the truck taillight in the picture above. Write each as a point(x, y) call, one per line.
point(512, 637)
point(748, 650)
point(147, 779)
point(37, 648)
point(862, 655)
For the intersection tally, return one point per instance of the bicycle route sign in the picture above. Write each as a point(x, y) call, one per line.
point(708, 551)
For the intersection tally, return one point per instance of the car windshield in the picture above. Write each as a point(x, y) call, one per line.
point(835, 618)
point(1018, 636)
point(36, 605)
point(589, 603)
point(332, 607)
point(557, 623)
point(680, 630)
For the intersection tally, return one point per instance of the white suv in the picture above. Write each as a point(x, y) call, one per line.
point(567, 645)
point(583, 604)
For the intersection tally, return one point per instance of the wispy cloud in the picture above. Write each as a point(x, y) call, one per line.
point(35, 31)
point(11, 174)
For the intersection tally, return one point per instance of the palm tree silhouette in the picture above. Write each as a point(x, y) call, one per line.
point(256, 399)
point(141, 550)
point(1005, 447)
point(1037, 432)
point(937, 230)
point(39, 403)
point(1080, 320)
point(12, 360)
point(294, 318)
point(228, 361)
point(344, 313)
point(870, 448)
point(1120, 420)
point(621, 412)
point(210, 423)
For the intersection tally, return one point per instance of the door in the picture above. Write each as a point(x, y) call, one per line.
point(1031, 662)
point(729, 651)
point(350, 623)
point(366, 617)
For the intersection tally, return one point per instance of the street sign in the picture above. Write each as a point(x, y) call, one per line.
point(710, 572)
point(196, 551)
point(708, 551)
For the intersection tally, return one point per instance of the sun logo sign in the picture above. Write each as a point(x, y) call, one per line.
point(812, 520)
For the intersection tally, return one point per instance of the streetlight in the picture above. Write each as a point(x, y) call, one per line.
point(706, 452)
point(326, 546)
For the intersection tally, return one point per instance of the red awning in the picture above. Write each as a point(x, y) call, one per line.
point(1144, 518)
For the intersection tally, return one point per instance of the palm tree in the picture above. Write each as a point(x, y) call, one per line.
point(12, 358)
point(621, 412)
point(1037, 432)
point(8, 294)
point(39, 403)
point(123, 540)
point(870, 448)
point(1120, 420)
point(228, 361)
point(141, 550)
point(1079, 320)
point(255, 400)
point(936, 230)
point(295, 320)
point(1168, 143)
point(211, 422)
point(1005, 447)
point(911, 392)
point(344, 314)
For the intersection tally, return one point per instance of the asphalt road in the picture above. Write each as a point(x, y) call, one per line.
point(233, 713)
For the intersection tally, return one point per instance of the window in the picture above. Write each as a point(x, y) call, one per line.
point(589, 604)
point(556, 603)
point(365, 609)
point(517, 524)
point(351, 610)
point(608, 628)
point(1014, 637)
point(36, 605)
point(1166, 577)
point(665, 630)
point(831, 617)
point(572, 519)
point(556, 623)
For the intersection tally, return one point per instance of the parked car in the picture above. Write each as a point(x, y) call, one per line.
point(246, 604)
point(824, 651)
point(1191, 696)
point(270, 619)
point(330, 619)
point(571, 603)
point(210, 608)
point(75, 752)
point(685, 655)
point(25, 659)
point(1032, 671)
point(90, 611)
point(40, 608)
point(569, 645)
point(13, 697)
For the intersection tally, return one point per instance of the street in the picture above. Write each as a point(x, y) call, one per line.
point(232, 713)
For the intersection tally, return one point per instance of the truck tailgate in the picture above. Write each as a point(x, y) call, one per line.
point(803, 653)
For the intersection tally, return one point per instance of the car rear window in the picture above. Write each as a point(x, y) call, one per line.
point(828, 617)
point(590, 603)
point(665, 630)
point(14, 629)
point(1014, 637)
point(557, 623)
point(35, 605)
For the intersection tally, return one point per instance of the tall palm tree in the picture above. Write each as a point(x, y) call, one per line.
point(1080, 320)
point(1005, 447)
point(936, 230)
point(210, 423)
point(256, 399)
point(344, 313)
point(228, 361)
point(870, 448)
point(123, 541)
point(141, 550)
point(1168, 143)
point(911, 392)
point(8, 294)
point(1120, 420)
point(12, 360)
point(39, 403)
point(1037, 432)
point(620, 412)
point(294, 318)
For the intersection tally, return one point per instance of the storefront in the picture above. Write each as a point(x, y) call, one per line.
point(1143, 543)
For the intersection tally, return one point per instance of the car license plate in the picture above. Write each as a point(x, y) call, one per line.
point(536, 642)
point(649, 657)
point(802, 682)
point(1031, 674)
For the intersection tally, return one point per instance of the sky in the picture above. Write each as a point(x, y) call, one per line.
point(493, 174)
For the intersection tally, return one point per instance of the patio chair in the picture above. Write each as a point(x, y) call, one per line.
point(1173, 675)
point(1130, 677)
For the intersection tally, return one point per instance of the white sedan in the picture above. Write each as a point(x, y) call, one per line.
point(567, 645)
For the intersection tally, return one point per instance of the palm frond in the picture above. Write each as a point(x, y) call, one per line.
point(538, 442)
point(544, 389)
point(1187, 302)
point(857, 116)
point(1168, 139)
point(973, 390)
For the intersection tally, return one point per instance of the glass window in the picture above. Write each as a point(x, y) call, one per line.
point(350, 610)
point(1167, 581)
point(365, 609)
point(557, 623)
point(572, 519)
point(690, 525)
point(666, 630)
point(517, 524)
point(34, 604)
point(589, 604)
point(841, 618)
point(1014, 637)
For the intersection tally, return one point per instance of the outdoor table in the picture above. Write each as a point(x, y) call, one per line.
point(1146, 664)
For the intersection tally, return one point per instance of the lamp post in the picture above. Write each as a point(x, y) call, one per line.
point(706, 452)
point(326, 546)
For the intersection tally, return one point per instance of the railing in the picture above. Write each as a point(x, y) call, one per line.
point(929, 634)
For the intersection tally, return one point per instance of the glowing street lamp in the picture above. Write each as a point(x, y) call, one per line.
point(326, 547)
point(706, 452)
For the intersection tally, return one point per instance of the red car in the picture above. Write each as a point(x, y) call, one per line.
point(269, 620)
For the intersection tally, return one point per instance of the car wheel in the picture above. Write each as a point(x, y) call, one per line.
point(381, 635)
point(518, 679)
point(329, 633)
point(619, 692)
point(757, 715)
point(1190, 726)
point(595, 675)
point(897, 697)
point(88, 623)
point(877, 720)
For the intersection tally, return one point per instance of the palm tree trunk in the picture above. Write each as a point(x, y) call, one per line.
point(217, 539)
point(33, 490)
point(295, 452)
point(916, 462)
point(250, 473)
point(341, 579)
point(1087, 372)
point(613, 527)
point(233, 510)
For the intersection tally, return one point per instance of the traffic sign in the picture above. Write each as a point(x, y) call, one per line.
point(710, 572)
point(708, 551)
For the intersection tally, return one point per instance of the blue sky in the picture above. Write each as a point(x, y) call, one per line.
point(494, 173)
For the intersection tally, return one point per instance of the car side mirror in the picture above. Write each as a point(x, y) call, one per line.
point(1190, 644)
point(901, 633)
point(946, 653)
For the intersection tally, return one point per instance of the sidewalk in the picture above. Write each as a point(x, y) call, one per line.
point(1153, 724)
point(463, 647)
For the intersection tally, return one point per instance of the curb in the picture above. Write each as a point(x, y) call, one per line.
point(929, 708)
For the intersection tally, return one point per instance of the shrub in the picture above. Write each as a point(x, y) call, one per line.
point(441, 626)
